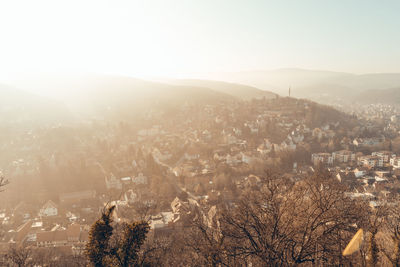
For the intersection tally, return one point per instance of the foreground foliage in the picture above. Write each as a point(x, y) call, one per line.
point(279, 222)
point(123, 250)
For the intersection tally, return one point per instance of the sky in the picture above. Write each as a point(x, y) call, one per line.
point(179, 38)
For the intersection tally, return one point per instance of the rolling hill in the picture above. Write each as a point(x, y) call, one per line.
point(240, 91)
point(115, 96)
point(109, 96)
point(322, 86)
point(18, 107)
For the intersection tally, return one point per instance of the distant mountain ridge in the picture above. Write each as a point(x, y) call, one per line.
point(240, 91)
point(115, 96)
point(318, 85)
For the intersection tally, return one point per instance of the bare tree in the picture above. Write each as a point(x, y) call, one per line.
point(375, 223)
point(44, 256)
point(3, 181)
point(208, 242)
point(19, 255)
point(158, 251)
point(292, 223)
point(391, 227)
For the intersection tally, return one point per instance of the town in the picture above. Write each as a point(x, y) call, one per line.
point(202, 156)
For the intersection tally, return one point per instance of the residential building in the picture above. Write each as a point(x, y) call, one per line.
point(49, 209)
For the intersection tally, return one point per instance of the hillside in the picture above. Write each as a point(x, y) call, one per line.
point(240, 91)
point(386, 96)
point(122, 95)
point(18, 107)
point(107, 96)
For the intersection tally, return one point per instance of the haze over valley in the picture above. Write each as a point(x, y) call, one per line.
point(199, 133)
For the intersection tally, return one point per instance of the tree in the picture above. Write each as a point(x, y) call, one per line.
point(3, 182)
point(205, 240)
point(129, 243)
point(374, 225)
point(19, 255)
point(392, 227)
point(113, 244)
point(289, 223)
point(97, 248)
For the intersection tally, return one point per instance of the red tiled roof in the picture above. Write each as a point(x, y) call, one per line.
point(60, 235)
point(49, 204)
point(52, 236)
point(22, 231)
point(44, 237)
point(73, 231)
point(84, 237)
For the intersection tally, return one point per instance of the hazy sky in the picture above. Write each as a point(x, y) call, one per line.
point(172, 37)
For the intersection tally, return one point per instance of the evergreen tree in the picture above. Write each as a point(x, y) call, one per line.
point(124, 251)
point(134, 235)
point(97, 248)
point(3, 181)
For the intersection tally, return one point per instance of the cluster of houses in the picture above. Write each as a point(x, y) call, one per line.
point(204, 157)
point(373, 177)
point(42, 230)
point(337, 157)
point(377, 159)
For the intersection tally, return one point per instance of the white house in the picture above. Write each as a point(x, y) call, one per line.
point(371, 161)
point(359, 173)
point(384, 155)
point(48, 209)
point(140, 179)
point(112, 182)
point(343, 156)
point(130, 196)
point(395, 162)
point(318, 158)
point(233, 160)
